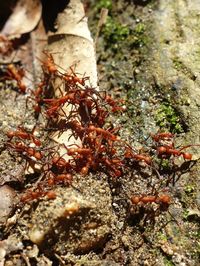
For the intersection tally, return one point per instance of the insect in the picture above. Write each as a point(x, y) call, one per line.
point(105, 133)
point(56, 104)
point(138, 157)
point(65, 178)
point(115, 104)
point(59, 164)
point(49, 64)
point(31, 195)
point(73, 79)
point(113, 165)
point(100, 116)
point(82, 156)
point(167, 151)
point(17, 74)
point(38, 96)
point(22, 134)
point(76, 127)
point(85, 169)
point(162, 136)
point(82, 151)
point(162, 199)
point(26, 150)
point(146, 211)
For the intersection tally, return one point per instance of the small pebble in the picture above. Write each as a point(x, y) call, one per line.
point(7, 195)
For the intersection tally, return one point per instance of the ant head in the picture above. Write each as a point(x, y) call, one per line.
point(10, 134)
point(135, 199)
point(165, 199)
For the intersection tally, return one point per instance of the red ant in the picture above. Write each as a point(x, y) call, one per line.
point(139, 157)
point(82, 151)
point(114, 104)
point(162, 199)
point(163, 202)
point(17, 75)
point(162, 136)
point(65, 178)
point(52, 113)
point(31, 195)
point(113, 164)
point(21, 133)
point(73, 79)
point(50, 194)
point(38, 94)
point(29, 151)
point(56, 103)
point(100, 116)
point(73, 97)
point(38, 193)
point(166, 150)
point(49, 63)
point(75, 126)
point(105, 133)
point(60, 164)
point(84, 170)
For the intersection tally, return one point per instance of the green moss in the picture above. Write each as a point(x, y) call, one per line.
point(139, 37)
point(168, 262)
point(114, 31)
point(162, 236)
point(104, 4)
point(165, 165)
point(177, 64)
point(140, 28)
point(189, 189)
point(185, 214)
point(117, 35)
point(196, 234)
point(167, 117)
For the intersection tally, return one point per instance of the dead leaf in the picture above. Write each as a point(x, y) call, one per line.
point(73, 38)
point(24, 18)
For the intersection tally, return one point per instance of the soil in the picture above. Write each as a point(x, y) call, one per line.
point(147, 55)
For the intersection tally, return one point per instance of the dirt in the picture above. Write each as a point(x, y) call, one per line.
point(144, 56)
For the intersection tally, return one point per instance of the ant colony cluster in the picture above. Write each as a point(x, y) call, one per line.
point(100, 149)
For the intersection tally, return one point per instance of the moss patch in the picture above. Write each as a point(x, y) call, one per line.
point(168, 118)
